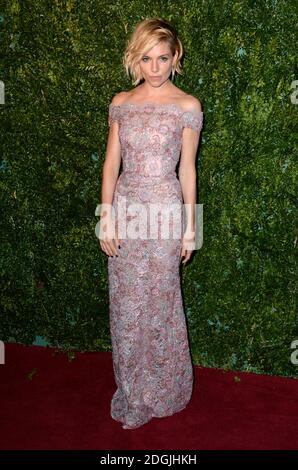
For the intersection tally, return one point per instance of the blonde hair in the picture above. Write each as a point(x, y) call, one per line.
point(146, 35)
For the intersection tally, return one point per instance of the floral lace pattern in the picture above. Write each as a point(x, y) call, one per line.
point(151, 357)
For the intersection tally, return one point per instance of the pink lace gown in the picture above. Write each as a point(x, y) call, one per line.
point(151, 357)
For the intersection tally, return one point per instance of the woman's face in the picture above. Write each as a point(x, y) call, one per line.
point(156, 64)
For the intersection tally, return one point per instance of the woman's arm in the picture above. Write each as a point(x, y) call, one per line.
point(111, 166)
point(188, 175)
point(110, 173)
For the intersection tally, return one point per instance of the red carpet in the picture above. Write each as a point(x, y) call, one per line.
point(66, 405)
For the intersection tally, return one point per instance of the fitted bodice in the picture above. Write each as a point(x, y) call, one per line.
point(150, 135)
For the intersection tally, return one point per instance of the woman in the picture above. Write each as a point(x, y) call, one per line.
point(150, 126)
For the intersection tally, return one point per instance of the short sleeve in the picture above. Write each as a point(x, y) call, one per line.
point(193, 120)
point(114, 114)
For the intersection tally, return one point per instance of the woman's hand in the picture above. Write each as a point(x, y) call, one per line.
point(188, 246)
point(108, 236)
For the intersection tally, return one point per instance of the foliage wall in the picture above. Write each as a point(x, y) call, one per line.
point(61, 66)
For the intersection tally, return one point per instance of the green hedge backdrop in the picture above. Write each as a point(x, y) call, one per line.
point(61, 66)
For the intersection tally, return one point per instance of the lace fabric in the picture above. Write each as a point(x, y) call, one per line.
point(151, 358)
point(190, 119)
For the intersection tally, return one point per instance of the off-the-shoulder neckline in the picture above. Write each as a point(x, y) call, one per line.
point(156, 105)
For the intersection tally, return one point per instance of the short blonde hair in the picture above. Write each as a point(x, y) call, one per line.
point(146, 35)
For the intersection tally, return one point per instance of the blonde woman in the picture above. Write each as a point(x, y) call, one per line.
point(152, 128)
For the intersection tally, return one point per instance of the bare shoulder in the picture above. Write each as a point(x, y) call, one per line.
point(191, 103)
point(119, 98)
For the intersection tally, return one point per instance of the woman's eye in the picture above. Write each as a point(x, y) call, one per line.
point(164, 59)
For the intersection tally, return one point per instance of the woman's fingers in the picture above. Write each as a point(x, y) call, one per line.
point(187, 256)
point(185, 253)
point(114, 247)
point(116, 243)
point(104, 247)
point(188, 245)
point(108, 244)
point(109, 247)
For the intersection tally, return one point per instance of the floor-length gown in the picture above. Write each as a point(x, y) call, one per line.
point(151, 358)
